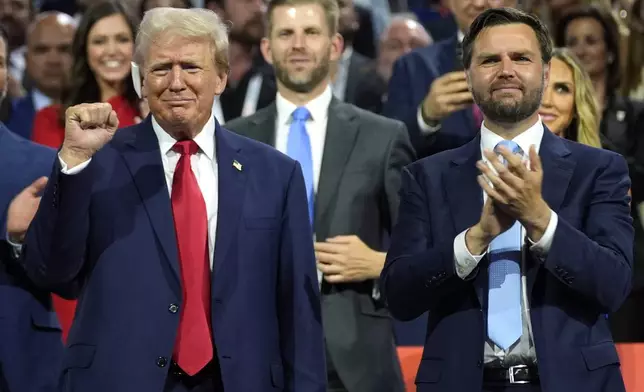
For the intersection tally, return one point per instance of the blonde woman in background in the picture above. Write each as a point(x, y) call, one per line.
point(568, 107)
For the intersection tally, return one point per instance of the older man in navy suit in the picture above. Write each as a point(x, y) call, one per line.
point(517, 258)
point(31, 349)
point(189, 247)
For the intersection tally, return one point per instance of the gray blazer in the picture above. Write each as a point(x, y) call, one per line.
point(363, 156)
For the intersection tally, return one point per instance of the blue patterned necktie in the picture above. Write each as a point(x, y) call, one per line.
point(504, 320)
point(298, 147)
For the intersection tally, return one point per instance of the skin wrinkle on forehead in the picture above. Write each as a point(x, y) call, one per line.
point(160, 41)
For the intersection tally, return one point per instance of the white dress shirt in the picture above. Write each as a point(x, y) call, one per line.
point(315, 127)
point(204, 167)
point(521, 352)
point(39, 99)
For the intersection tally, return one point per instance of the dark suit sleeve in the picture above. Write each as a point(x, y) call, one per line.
point(598, 262)
point(54, 252)
point(302, 339)
point(418, 273)
point(400, 154)
point(3, 224)
point(400, 102)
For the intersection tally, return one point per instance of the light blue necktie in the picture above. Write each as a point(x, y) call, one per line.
point(298, 147)
point(504, 297)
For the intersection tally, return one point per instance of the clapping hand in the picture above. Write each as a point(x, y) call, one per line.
point(516, 189)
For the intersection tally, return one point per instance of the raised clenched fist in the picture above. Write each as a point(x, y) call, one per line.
point(88, 127)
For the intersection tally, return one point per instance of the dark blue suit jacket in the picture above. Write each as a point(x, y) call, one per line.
point(22, 116)
point(107, 234)
point(413, 74)
point(31, 348)
point(586, 274)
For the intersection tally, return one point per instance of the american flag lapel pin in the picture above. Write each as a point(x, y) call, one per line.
point(237, 165)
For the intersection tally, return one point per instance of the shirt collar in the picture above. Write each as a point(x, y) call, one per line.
point(39, 99)
point(530, 136)
point(204, 139)
point(318, 107)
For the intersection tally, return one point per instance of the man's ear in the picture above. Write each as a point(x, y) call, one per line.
point(468, 80)
point(265, 48)
point(136, 78)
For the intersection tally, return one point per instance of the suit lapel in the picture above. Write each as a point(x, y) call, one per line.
point(465, 198)
point(341, 133)
point(143, 158)
point(232, 170)
point(464, 194)
point(557, 171)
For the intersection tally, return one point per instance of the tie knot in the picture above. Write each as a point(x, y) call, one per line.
point(510, 145)
point(186, 147)
point(301, 114)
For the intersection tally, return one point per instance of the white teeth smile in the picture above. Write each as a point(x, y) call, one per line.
point(112, 63)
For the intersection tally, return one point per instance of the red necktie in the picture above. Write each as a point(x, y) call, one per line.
point(193, 347)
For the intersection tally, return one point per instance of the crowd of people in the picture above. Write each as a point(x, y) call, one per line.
point(385, 108)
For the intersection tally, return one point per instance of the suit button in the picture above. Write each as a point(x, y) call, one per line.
point(162, 362)
point(479, 364)
point(173, 308)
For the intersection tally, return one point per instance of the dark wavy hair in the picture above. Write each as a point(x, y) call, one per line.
point(143, 4)
point(611, 39)
point(84, 87)
point(505, 16)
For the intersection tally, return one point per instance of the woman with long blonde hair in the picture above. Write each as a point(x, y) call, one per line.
point(569, 108)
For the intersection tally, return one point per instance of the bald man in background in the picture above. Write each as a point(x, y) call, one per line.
point(403, 34)
point(48, 61)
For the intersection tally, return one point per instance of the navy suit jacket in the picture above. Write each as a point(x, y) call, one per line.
point(107, 234)
point(586, 274)
point(412, 77)
point(22, 116)
point(31, 348)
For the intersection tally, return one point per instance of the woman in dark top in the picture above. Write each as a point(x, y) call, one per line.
point(592, 34)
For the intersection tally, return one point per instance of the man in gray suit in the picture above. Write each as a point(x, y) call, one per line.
point(352, 161)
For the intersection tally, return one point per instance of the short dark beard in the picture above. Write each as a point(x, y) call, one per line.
point(499, 112)
point(317, 76)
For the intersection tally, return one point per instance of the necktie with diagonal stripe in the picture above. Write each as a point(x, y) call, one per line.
point(504, 320)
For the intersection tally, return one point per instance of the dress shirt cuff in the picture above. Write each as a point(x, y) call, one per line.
point(73, 170)
point(542, 247)
point(464, 261)
point(425, 128)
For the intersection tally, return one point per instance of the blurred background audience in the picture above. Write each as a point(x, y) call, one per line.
point(401, 58)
